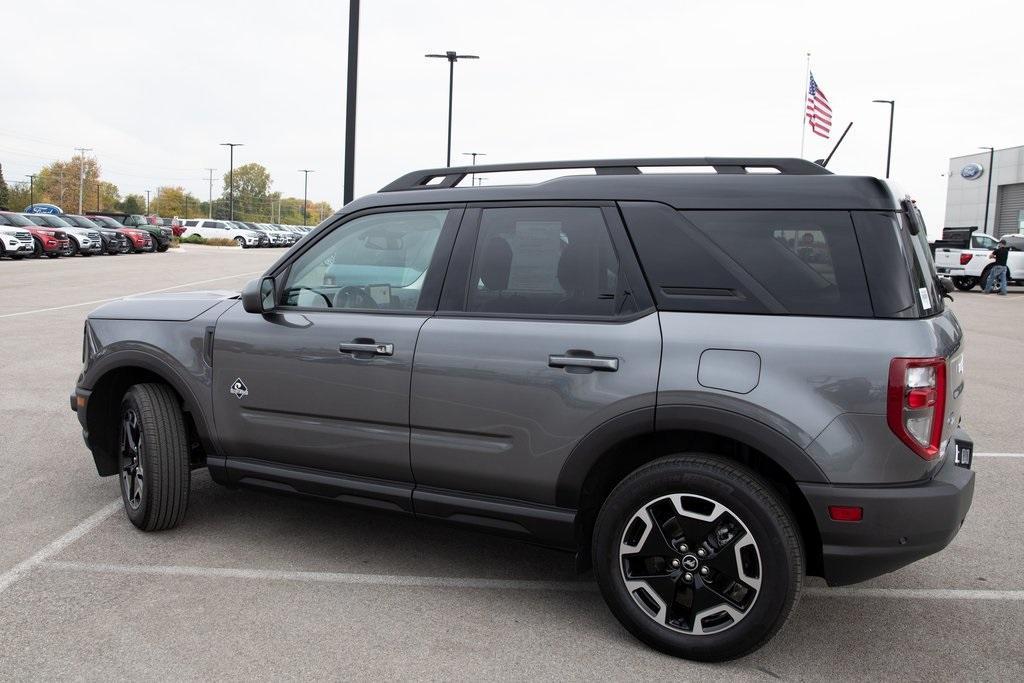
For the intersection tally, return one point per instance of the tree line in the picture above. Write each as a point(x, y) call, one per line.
point(254, 199)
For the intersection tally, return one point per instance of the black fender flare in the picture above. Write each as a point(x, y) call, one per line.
point(648, 422)
point(106, 363)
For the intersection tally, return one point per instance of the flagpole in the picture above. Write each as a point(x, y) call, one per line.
point(803, 111)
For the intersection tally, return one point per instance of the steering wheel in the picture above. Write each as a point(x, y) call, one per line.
point(353, 297)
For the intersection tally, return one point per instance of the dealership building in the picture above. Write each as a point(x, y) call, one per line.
point(969, 179)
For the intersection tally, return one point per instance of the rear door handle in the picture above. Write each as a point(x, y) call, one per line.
point(592, 362)
point(367, 347)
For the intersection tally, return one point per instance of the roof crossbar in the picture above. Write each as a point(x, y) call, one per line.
point(442, 178)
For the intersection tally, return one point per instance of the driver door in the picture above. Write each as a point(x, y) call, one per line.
point(320, 385)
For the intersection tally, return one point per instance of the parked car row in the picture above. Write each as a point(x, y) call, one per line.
point(246, 234)
point(55, 235)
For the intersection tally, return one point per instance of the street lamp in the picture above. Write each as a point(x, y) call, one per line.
point(892, 111)
point(350, 100)
point(452, 57)
point(231, 178)
point(988, 192)
point(472, 180)
point(305, 189)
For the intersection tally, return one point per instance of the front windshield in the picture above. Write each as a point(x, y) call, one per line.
point(81, 221)
point(19, 220)
point(55, 222)
point(107, 221)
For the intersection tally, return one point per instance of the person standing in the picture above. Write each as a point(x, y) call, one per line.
point(999, 270)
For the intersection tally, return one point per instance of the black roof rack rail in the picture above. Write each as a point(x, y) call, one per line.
point(427, 179)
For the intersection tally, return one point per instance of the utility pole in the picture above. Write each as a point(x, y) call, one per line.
point(472, 179)
point(210, 207)
point(147, 202)
point(31, 189)
point(81, 174)
point(452, 57)
point(350, 100)
point(231, 178)
point(97, 195)
point(305, 190)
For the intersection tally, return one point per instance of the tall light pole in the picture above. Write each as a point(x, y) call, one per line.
point(81, 173)
point(231, 178)
point(988, 192)
point(892, 113)
point(305, 189)
point(472, 180)
point(31, 189)
point(209, 213)
point(350, 100)
point(452, 57)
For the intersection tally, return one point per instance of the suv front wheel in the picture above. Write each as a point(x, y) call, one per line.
point(153, 449)
point(698, 557)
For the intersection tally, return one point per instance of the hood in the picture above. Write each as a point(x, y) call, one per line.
point(169, 306)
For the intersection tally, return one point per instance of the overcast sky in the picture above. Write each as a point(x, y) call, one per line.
point(153, 86)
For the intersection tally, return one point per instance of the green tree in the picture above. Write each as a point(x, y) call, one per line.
point(57, 183)
point(133, 203)
point(252, 193)
point(4, 193)
point(176, 201)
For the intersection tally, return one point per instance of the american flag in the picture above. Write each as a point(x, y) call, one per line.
point(819, 114)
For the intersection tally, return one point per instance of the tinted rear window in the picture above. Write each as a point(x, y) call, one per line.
point(808, 262)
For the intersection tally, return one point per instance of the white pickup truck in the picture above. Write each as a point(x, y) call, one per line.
point(968, 265)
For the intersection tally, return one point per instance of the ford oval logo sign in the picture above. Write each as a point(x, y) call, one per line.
point(971, 171)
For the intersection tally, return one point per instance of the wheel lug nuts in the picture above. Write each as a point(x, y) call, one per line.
point(675, 563)
point(683, 547)
point(700, 552)
point(688, 577)
point(703, 571)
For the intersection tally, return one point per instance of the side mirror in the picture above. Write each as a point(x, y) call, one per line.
point(259, 296)
point(947, 285)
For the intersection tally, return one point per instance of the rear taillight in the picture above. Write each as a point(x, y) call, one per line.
point(916, 404)
point(965, 258)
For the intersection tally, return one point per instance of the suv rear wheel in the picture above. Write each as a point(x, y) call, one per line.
point(965, 283)
point(698, 557)
point(153, 447)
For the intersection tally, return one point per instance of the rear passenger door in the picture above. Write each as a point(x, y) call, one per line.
point(545, 331)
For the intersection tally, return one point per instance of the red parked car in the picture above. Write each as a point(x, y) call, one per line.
point(140, 240)
point(48, 241)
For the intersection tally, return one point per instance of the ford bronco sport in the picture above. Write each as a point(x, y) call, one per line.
point(706, 385)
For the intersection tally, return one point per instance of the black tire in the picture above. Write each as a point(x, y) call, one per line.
point(154, 478)
point(984, 276)
point(766, 538)
point(53, 254)
point(965, 284)
point(163, 248)
point(241, 242)
point(37, 251)
point(73, 248)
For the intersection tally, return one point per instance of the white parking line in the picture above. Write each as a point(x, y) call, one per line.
point(917, 593)
point(18, 570)
point(115, 298)
point(397, 580)
point(403, 581)
point(999, 455)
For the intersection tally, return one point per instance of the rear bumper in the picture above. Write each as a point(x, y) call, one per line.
point(900, 525)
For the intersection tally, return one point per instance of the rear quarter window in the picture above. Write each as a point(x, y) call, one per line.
point(807, 262)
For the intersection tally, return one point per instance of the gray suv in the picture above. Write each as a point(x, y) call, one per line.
point(705, 385)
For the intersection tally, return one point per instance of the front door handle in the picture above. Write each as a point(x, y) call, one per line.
point(367, 347)
point(591, 362)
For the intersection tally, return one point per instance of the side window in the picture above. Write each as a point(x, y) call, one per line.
point(376, 262)
point(982, 242)
point(545, 261)
point(190, 224)
point(809, 261)
point(216, 225)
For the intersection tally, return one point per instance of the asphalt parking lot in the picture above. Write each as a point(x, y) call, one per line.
point(253, 585)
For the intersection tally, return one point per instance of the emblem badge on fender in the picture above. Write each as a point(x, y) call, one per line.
point(238, 388)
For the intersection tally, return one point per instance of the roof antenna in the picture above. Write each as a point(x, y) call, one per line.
point(824, 162)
